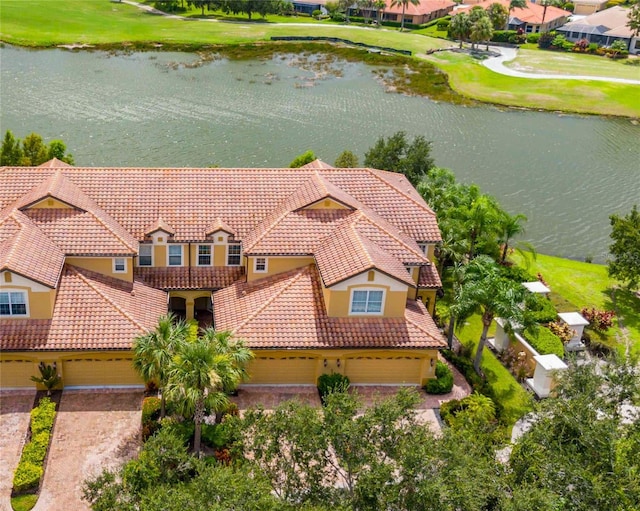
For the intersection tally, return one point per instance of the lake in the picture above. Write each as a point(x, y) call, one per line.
point(566, 173)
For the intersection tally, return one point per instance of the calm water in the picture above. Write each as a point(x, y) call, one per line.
point(566, 173)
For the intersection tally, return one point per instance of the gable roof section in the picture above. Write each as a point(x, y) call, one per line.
point(429, 278)
point(317, 164)
point(531, 14)
point(112, 314)
point(218, 225)
point(287, 312)
point(26, 251)
point(55, 163)
point(612, 22)
point(191, 199)
point(347, 253)
point(159, 225)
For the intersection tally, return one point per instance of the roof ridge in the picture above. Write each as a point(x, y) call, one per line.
point(423, 205)
point(106, 298)
point(358, 239)
point(12, 246)
point(416, 325)
point(392, 235)
point(256, 312)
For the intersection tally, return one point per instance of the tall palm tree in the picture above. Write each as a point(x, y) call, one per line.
point(514, 4)
point(154, 352)
point(379, 6)
point(403, 3)
point(510, 226)
point(203, 372)
point(486, 292)
point(481, 30)
point(460, 26)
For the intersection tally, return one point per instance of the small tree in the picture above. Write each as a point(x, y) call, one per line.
point(625, 233)
point(459, 27)
point(49, 376)
point(498, 15)
point(346, 160)
point(634, 19)
point(302, 159)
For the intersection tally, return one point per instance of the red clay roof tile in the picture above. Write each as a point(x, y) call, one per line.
point(196, 277)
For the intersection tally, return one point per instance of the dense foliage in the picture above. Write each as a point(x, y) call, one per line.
point(544, 341)
point(303, 159)
point(30, 468)
point(31, 151)
point(330, 383)
point(443, 382)
point(625, 250)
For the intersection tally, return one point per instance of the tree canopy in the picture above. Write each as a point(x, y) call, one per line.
point(625, 250)
point(397, 154)
point(302, 159)
point(31, 151)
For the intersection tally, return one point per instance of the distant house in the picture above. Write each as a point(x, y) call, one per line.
point(423, 12)
point(604, 28)
point(307, 7)
point(586, 7)
point(530, 19)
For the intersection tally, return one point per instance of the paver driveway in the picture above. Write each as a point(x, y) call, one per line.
point(95, 429)
point(14, 421)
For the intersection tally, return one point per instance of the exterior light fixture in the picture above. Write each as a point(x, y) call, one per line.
point(325, 362)
point(338, 362)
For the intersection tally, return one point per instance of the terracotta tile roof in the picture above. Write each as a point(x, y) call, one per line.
point(287, 312)
point(347, 253)
point(191, 199)
point(429, 277)
point(196, 277)
point(531, 14)
point(423, 7)
point(219, 225)
point(55, 163)
point(317, 164)
point(78, 232)
point(91, 312)
point(159, 225)
point(59, 187)
point(25, 250)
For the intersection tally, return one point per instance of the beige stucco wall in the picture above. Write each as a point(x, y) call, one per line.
point(40, 299)
point(103, 265)
point(276, 265)
point(50, 203)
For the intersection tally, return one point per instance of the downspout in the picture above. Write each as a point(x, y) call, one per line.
point(189, 262)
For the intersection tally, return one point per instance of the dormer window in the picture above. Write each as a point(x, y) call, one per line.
point(366, 301)
point(175, 255)
point(119, 265)
point(145, 256)
point(233, 254)
point(423, 247)
point(13, 303)
point(260, 265)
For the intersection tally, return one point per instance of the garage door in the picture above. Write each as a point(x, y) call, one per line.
point(95, 373)
point(383, 370)
point(288, 370)
point(17, 373)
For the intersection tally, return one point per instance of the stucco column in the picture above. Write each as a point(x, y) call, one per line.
point(190, 309)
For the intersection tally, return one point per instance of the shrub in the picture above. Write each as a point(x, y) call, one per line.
point(516, 273)
point(329, 383)
point(533, 38)
point(581, 45)
point(215, 436)
point(475, 408)
point(150, 416)
point(593, 47)
point(545, 342)
point(36, 450)
point(562, 330)
point(443, 382)
point(317, 13)
point(464, 364)
point(599, 320)
point(569, 6)
point(443, 24)
point(540, 308)
point(27, 476)
point(337, 16)
point(502, 36)
point(42, 416)
point(516, 362)
point(544, 41)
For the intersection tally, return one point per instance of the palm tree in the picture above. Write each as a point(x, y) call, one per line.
point(486, 292)
point(481, 220)
point(154, 352)
point(203, 372)
point(514, 4)
point(510, 226)
point(481, 30)
point(459, 26)
point(403, 3)
point(49, 376)
point(379, 6)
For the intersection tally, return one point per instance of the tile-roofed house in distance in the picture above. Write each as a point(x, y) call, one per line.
point(319, 269)
point(530, 19)
point(416, 14)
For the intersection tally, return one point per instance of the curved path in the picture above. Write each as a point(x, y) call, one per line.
point(496, 64)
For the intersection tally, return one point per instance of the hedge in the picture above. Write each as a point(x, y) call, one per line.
point(541, 308)
point(545, 342)
point(443, 382)
point(30, 468)
point(328, 383)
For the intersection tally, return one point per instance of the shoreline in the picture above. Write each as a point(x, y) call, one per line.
point(245, 51)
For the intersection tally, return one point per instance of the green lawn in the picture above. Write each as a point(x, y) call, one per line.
point(576, 284)
point(515, 400)
point(45, 23)
point(470, 78)
point(551, 62)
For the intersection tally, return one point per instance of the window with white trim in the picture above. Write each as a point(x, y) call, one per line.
point(13, 303)
point(233, 254)
point(366, 301)
point(260, 265)
point(119, 265)
point(145, 255)
point(204, 255)
point(175, 255)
